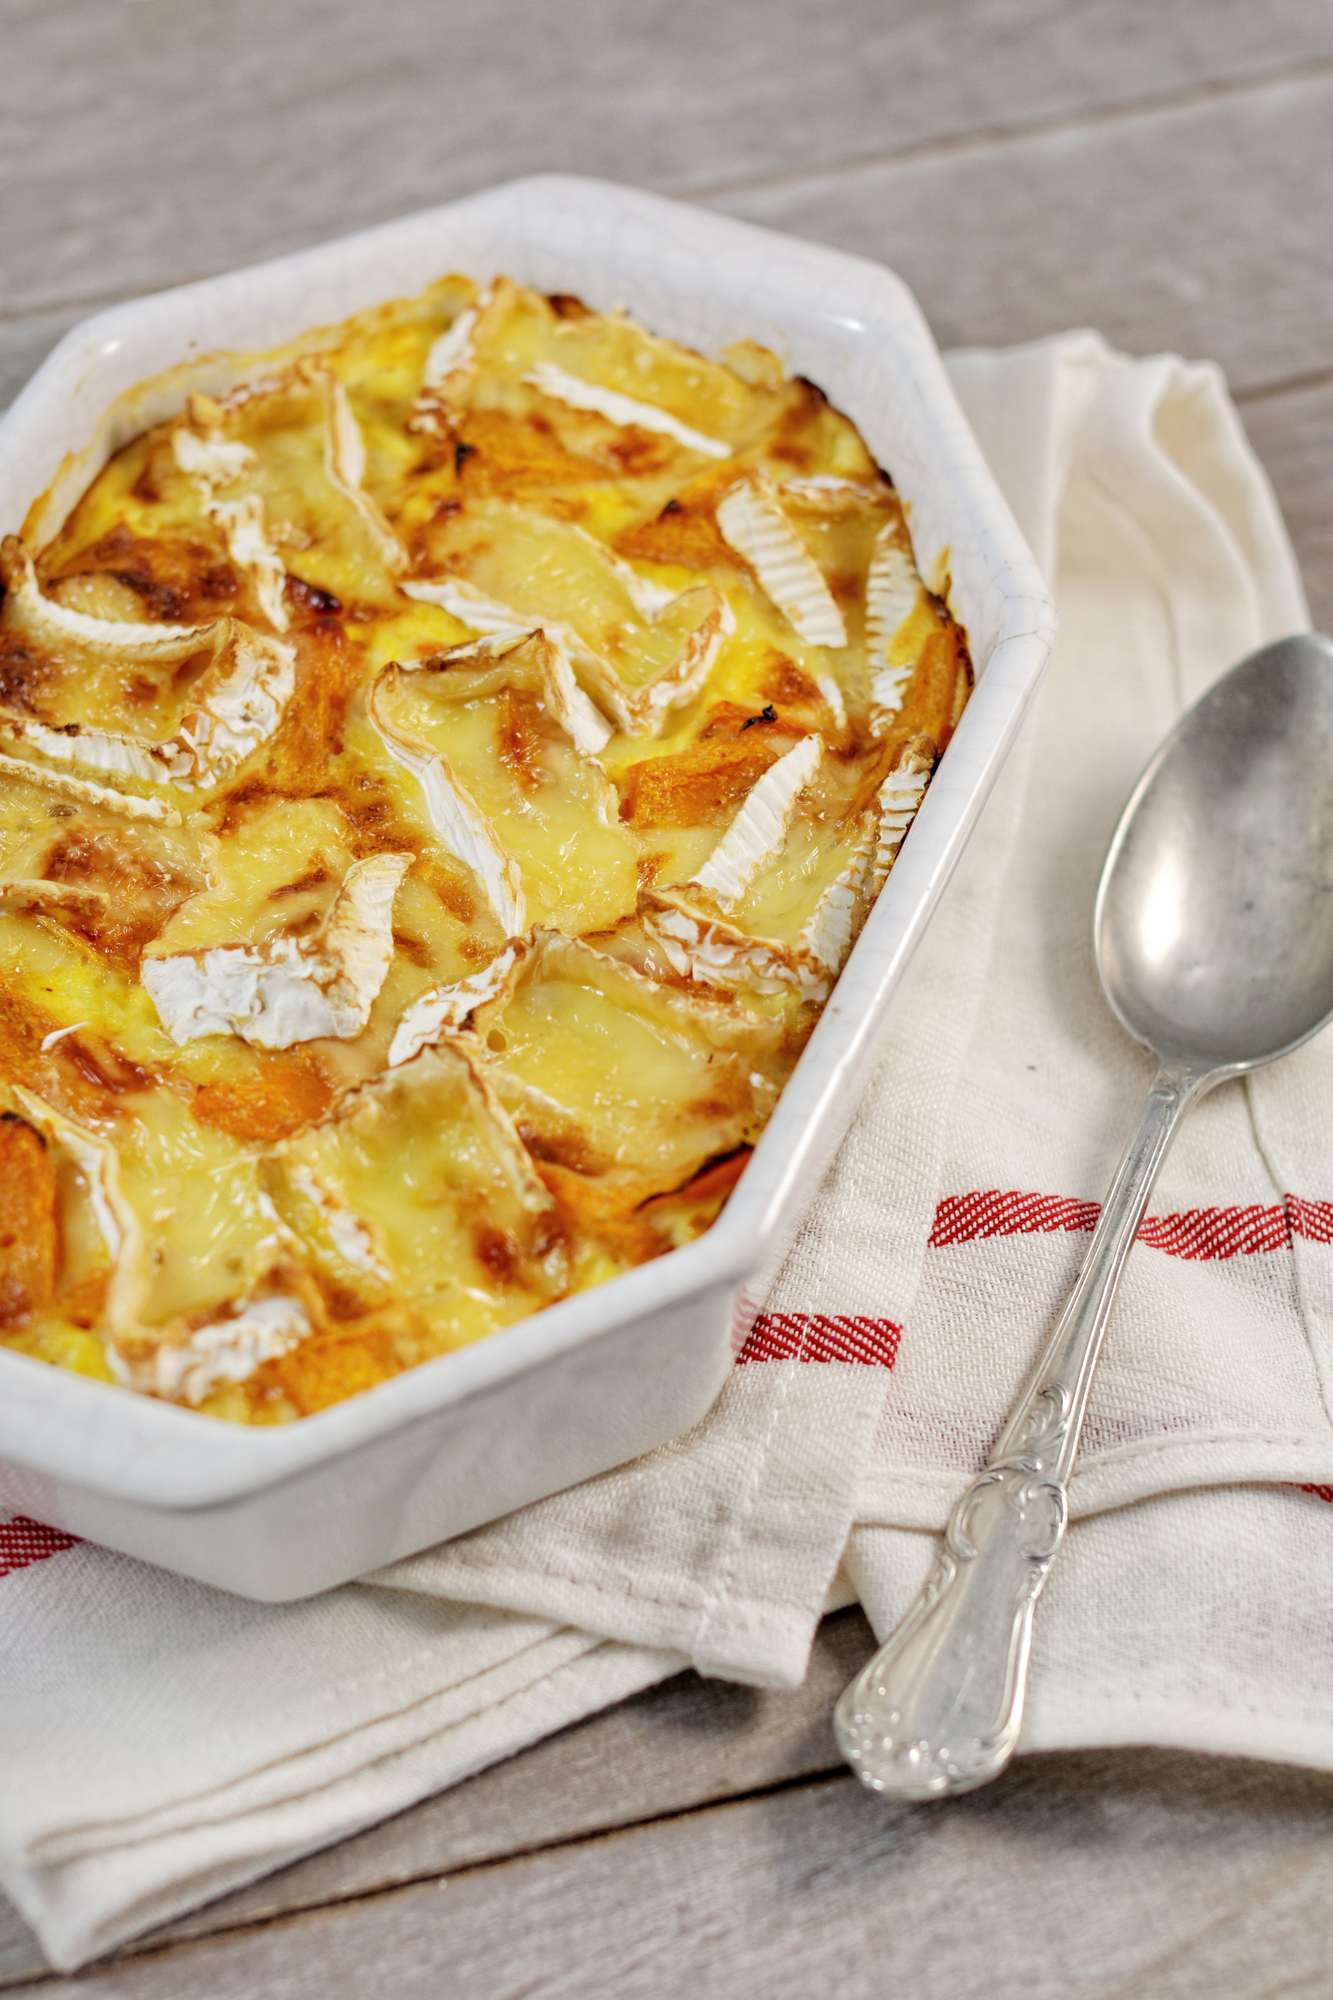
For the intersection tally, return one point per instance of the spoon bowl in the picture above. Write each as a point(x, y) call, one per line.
point(1214, 941)
point(1214, 919)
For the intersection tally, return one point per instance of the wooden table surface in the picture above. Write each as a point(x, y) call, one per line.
point(1161, 171)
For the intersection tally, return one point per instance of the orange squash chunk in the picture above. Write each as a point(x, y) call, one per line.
point(29, 1236)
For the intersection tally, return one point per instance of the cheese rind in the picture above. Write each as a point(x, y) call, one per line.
point(462, 600)
point(243, 529)
point(89, 794)
point(347, 1232)
point(450, 366)
point(832, 926)
point(535, 655)
point(893, 591)
point(24, 893)
point(637, 711)
point(751, 519)
point(452, 351)
point(758, 832)
point(188, 1369)
point(707, 948)
point(445, 1009)
point(288, 990)
point(212, 460)
point(172, 1360)
point(896, 804)
point(562, 387)
point(30, 610)
point(650, 705)
point(454, 813)
point(825, 492)
point(648, 597)
point(117, 1223)
point(832, 694)
point(345, 466)
point(236, 706)
point(644, 710)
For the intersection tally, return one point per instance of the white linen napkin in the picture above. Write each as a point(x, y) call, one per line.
point(160, 1742)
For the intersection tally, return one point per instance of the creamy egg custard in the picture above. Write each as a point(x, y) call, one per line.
point(440, 781)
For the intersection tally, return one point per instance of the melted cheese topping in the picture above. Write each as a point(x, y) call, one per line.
point(441, 781)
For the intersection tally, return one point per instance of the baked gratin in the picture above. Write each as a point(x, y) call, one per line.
point(440, 781)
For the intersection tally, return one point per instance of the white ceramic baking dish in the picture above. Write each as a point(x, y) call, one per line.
point(591, 1382)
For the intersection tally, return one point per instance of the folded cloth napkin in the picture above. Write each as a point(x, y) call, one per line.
point(161, 1742)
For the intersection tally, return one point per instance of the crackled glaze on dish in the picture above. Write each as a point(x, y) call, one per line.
point(442, 780)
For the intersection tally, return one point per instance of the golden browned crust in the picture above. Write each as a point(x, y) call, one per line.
point(29, 1236)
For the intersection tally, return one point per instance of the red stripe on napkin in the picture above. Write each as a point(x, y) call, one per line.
point(23, 1541)
point(1217, 1232)
point(965, 1218)
point(1195, 1233)
point(1311, 1219)
point(822, 1337)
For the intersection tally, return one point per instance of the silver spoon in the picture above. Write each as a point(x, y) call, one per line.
point(1214, 939)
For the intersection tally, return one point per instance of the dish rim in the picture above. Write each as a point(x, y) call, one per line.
point(149, 1452)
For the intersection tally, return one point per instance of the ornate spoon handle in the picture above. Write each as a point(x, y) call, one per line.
point(938, 1709)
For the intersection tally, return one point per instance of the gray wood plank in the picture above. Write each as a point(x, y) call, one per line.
point(1202, 228)
point(1293, 435)
point(1100, 1874)
point(686, 1744)
point(144, 144)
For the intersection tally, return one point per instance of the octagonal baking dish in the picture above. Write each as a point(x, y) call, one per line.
point(279, 1513)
